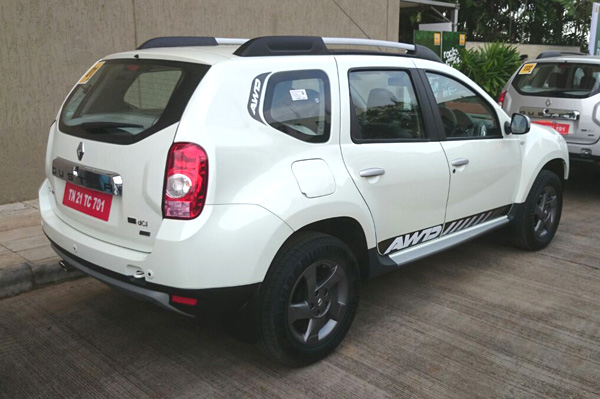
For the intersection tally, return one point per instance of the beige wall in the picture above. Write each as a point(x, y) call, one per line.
point(46, 45)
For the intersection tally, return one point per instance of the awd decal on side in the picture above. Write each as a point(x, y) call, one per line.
point(256, 91)
point(418, 237)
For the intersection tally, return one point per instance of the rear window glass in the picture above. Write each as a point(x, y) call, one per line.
point(559, 79)
point(125, 101)
point(298, 103)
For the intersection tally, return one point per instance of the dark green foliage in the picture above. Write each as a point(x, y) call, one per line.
point(490, 66)
point(558, 22)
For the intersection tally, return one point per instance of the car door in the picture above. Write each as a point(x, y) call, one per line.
point(484, 162)
point(390, 150)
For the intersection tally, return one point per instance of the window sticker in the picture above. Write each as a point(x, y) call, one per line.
point(298, 95)
point(91, 72)
point(527, 69)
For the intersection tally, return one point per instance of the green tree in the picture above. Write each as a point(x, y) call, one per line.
point(561, 22)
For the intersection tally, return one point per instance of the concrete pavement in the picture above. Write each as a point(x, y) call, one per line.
point(483, 320)
point(26, 259)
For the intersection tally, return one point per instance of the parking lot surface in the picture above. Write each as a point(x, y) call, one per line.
point(481, 320)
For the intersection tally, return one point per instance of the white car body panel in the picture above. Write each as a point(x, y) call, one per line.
point(540, 146)
point(264, 185)
point(488, 181)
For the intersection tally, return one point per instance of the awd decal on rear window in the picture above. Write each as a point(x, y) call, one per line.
point(256, 91)
point(405, 241)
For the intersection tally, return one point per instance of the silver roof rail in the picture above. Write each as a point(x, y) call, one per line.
point(291, 45)
point(229, 40)
point(346, 41)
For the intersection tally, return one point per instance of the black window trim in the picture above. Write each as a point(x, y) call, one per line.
point(279, 76)
point(438, 117)
point(172, 114)
point(429, 127)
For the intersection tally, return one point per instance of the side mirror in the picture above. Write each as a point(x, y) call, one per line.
point(520, 124)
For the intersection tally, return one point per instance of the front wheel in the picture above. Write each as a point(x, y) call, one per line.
point(536, 222)
point(308, 300)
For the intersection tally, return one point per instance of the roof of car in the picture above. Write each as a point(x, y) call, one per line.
point(210, 50)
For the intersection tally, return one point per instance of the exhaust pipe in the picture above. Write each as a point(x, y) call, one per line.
point(66, 267)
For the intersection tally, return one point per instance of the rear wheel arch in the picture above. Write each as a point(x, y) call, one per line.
point(346, 229)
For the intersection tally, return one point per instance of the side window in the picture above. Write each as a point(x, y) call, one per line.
point(464, 113)
point(298, 103)
point(385, 106)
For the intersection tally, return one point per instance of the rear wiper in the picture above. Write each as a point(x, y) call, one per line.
point(107, 125)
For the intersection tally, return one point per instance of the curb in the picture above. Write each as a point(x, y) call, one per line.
point(24, 277)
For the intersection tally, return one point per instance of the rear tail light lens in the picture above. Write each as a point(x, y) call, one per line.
point(186, 180)
point(501, 99)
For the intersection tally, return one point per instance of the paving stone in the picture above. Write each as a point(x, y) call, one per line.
point(9, 258)
point(33, 203)
point(20, 233)
point(12, 207)
point(21, 218)
point(26, 243)
point(36, 254)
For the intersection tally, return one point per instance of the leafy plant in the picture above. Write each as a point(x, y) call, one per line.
point(490, 66)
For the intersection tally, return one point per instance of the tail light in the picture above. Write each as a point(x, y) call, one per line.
point(501, 99)
point(186, 180)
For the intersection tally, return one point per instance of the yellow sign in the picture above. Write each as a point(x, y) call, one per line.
point(91, 72)
point(462, 39)
point(437, 39)
point(527, 69)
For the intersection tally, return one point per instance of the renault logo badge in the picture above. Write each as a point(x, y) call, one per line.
point(80, 151)
point(548, 102)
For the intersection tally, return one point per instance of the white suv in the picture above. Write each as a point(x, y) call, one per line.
point(270, 178)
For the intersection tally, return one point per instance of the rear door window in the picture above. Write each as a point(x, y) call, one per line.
point(125, 101)
point(297, 103)
point(558, 79)
point(385, 107)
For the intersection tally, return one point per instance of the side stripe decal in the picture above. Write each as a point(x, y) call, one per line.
point(405, 241)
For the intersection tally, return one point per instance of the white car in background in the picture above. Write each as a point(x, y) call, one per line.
point(271, 175)
point(562, 91)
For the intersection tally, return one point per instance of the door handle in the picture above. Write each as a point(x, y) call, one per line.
point(460, 162)
point(371, 172)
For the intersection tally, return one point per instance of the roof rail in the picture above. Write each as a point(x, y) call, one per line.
point(314, 45)
point(290, 45)
point(557, 53)
point(188, 41)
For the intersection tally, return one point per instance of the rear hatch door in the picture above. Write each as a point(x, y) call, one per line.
point(562, 95)
point(109, 149)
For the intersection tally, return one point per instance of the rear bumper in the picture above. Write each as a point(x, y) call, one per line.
point(584, 153)
point(227, 246)
point(208, 301)
point(589, 159)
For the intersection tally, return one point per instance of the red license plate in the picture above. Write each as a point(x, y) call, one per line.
point(90, 202)
point(562, 128)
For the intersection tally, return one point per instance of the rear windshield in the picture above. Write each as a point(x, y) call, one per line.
point(558, 79)
point(124, 101)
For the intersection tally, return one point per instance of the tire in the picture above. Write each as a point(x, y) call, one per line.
point(536, 222)
point(308, 299)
